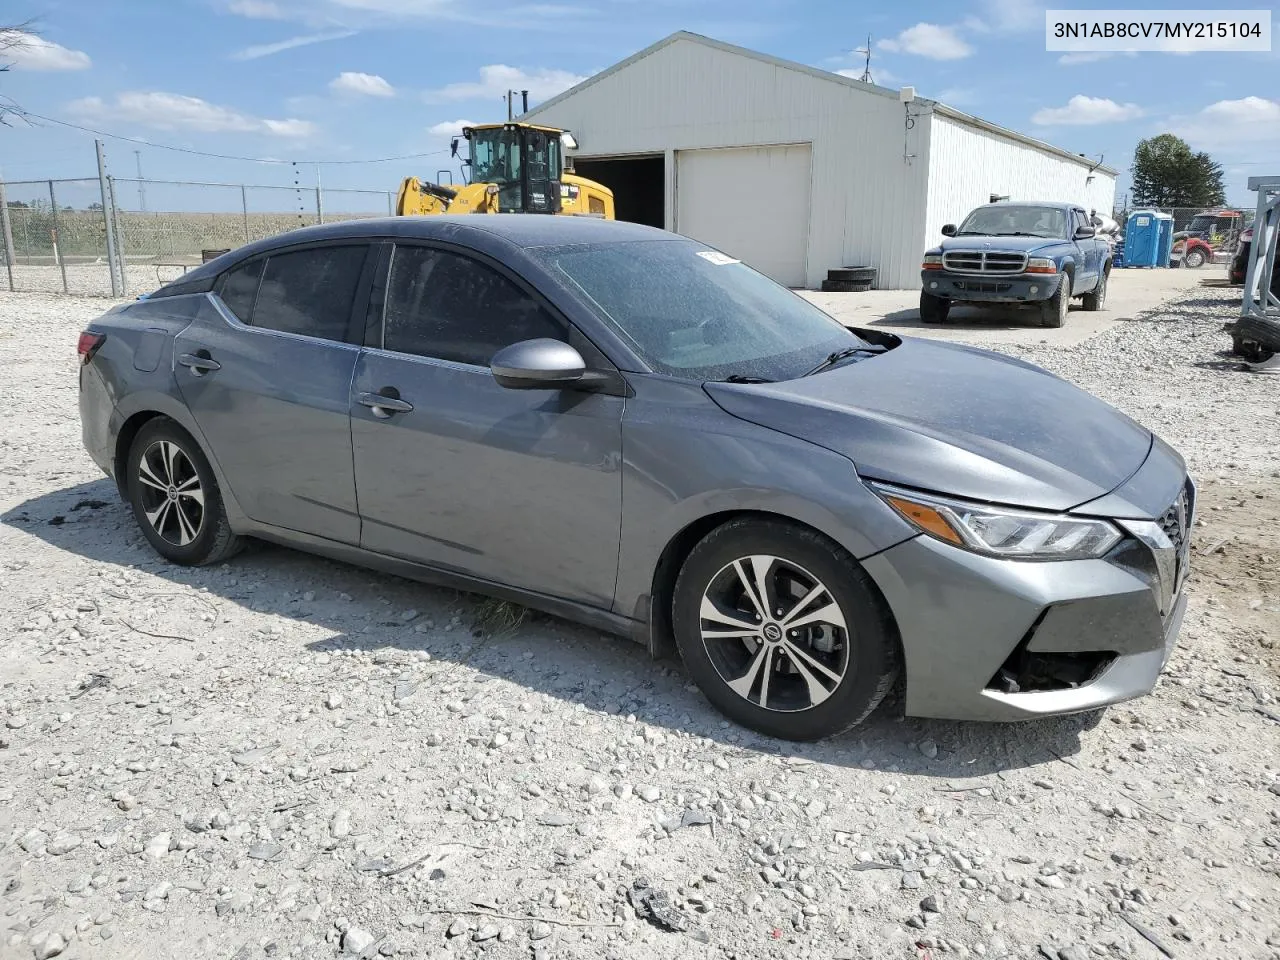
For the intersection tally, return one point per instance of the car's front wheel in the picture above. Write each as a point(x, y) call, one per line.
point(1194, 258)
point(175, 497)
point(934, 309)
point(1053, 312)
point(783, 630)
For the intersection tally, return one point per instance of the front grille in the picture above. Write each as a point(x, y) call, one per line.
point(984, 261)
point(1168, 542)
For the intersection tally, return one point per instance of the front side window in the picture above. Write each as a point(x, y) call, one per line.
point(695, 313)
point(310, 292)
point(239, 288)
point(451, 307)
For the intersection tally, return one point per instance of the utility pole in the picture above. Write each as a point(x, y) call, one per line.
point(866, 70)
point(142, 192)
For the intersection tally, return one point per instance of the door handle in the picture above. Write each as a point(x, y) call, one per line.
point(384, 405)
point(199, 363)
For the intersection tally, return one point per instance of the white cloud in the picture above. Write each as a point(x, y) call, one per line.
point(1007, 16)
point(1229, 122)
point(173, 111)
point(880, 77)
point(267, 49)
point(26, 51)
point(929, 40)
point(259, 9)
point(496, 79)
point(448, 129)
point(1082, 111)
point(361, 84)
point(958, 96)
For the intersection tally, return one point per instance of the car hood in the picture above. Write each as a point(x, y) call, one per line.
point(955, 420)
point(1018, 244)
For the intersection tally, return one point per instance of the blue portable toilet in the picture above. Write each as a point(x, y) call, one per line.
point(1148, 239)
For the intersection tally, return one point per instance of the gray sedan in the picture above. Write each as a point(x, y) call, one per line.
point(624, 427)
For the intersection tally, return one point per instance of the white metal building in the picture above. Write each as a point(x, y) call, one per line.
point(794, 169)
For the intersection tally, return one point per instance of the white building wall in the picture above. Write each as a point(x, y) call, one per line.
point(967, 164)
point(868, 201)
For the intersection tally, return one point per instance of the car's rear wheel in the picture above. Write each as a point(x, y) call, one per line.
point(1096, 298)
point(783, 630)
point(1053, 312)
point(175, 497)
point(1194, 258)
point(934, 309)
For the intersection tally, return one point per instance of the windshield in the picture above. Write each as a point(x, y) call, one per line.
point(692, 312)
point(1009, 220)
point(495, 156)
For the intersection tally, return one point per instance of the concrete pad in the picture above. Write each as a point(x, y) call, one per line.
point(1131, 291)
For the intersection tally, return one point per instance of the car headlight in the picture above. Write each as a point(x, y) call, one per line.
point(1041, 265)
point(1001, 531)
point(931, 261)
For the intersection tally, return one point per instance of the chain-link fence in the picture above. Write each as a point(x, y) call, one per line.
point(1219, 228)
point(122, 237)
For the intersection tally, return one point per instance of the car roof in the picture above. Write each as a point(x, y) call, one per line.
point(487, 232)
point(1050, 204)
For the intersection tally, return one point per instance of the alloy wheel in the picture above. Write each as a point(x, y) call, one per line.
point(774, 633)
point(171, 494)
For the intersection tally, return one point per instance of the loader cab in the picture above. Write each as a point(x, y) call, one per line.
point(524, 162)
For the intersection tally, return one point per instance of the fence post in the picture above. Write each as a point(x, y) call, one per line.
point(57, 254)
point(6, 233)
point(244, 209)
point(106, 219)
point(115, 219)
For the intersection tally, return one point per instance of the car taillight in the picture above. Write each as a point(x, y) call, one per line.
point(88, 345)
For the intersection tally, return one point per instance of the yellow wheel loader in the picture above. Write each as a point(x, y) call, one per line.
point(514, 168)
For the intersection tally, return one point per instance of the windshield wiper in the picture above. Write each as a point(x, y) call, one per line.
point(835, 357)
point(1022, 233)
point(743, 378)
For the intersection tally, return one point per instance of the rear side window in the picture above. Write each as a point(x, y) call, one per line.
point(310, 292)
point(239, 287)
point(451, 307)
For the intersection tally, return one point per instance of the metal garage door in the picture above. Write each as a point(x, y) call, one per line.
point(751, 202)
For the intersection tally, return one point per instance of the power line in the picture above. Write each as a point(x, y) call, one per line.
point(25, 114)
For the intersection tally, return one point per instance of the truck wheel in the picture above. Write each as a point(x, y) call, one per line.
point(1194, 258)
point(934, 309)
point(1096, 298)
point(1053, 312)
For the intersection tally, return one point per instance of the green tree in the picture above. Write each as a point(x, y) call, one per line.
point(1166, 173)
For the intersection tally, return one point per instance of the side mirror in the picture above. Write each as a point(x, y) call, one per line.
point(541, 364)
point(949, 230)
point(1084, 233)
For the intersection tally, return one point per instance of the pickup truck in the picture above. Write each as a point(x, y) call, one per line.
point(1037, 254)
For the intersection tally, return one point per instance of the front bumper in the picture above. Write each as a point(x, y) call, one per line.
point(964, 619)
point(988, 288)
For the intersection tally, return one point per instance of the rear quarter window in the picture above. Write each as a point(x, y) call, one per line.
point(238, 289)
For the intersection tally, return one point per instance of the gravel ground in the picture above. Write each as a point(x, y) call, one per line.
point(285, 756)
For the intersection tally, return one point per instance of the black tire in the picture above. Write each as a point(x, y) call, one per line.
point(1053, 312)
point(853, 274)
point(1194, 259)
point(193, 529)
point(1096, 298)
point(861, 655)
point(1265, 333)
point(933, 309)
point(846, 286)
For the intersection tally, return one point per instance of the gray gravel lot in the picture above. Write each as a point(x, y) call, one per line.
point(285, 756)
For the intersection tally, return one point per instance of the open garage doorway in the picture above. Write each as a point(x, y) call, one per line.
point(638, 185)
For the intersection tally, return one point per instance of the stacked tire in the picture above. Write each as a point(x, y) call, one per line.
point(849, 280)
point(1256, 339)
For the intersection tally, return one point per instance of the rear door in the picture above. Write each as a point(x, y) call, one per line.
point(269, 384)
point(518, 487)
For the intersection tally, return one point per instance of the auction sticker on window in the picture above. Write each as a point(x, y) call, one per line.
point(719, 259)
point(1183, 31)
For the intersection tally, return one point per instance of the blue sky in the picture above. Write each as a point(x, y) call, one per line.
point(359, 79)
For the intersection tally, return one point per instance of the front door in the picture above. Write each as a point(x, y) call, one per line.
point(267, 377)
point(518, 487)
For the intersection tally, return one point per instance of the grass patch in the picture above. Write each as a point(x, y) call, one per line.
point(499, 617)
